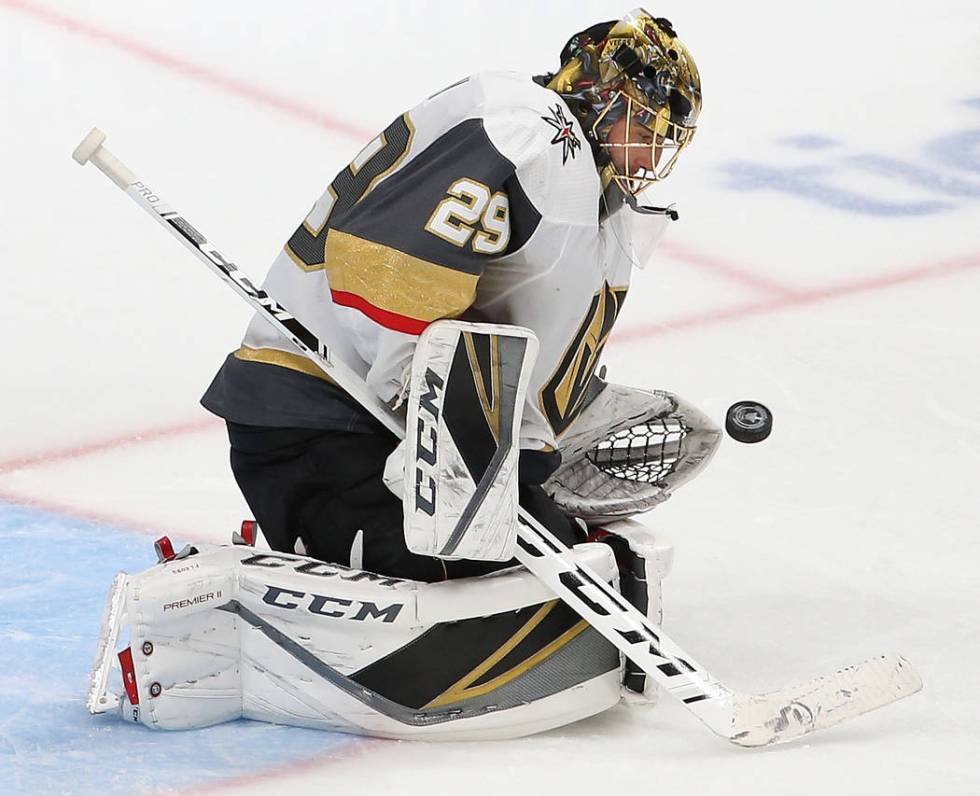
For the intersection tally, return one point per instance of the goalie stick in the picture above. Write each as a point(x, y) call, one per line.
point(744, 719)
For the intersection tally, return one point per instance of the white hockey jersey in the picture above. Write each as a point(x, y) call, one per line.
point(483, 202)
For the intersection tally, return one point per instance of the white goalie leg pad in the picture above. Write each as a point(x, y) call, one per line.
point(231, 632)
point(182, 667)
point(627, 452)
point(461, 448)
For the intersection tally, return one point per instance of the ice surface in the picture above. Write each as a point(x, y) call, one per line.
point(827, 263)
point(53, 570)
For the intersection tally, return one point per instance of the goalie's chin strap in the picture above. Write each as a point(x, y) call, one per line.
point(670, 211)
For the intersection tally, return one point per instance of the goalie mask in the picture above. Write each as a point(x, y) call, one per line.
point(636, 91)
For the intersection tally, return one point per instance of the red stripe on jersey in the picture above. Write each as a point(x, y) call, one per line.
point(390, 320)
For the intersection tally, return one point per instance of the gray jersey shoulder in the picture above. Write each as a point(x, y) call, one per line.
point(532, 128)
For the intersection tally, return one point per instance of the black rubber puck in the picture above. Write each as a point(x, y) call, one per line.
point(748, 421)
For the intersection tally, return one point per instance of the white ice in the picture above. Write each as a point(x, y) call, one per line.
point(827, 263)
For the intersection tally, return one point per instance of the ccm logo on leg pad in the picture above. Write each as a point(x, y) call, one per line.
point(334, 607)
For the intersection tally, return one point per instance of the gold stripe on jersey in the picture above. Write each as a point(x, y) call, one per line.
point(394, 281)
point(284, 359)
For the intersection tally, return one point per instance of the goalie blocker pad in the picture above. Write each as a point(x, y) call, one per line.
point(222, 633)
point(465, 403)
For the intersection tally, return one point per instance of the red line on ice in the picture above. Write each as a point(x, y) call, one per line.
point(920, 273)
point(109, 444)
point(99, 517)
point(718, 267)
point(186, 68)
point(356, 747)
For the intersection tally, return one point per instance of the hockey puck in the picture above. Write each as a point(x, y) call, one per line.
point(748, 421)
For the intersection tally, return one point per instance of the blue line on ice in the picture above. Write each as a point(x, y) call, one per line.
point(54, 574)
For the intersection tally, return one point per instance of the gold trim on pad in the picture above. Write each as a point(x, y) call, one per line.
point(461, 690)
point(489, 403)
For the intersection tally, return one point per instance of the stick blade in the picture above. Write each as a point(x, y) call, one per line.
point(823, 702)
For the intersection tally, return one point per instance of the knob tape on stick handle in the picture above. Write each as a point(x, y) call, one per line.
point(91, 150)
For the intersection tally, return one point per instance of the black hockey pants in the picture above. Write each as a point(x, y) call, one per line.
point(325, 486)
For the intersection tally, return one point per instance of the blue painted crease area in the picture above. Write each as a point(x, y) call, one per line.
point(809, 141)
point(54, 575)
point(958, 150)
point(947, 165)
point(813, 183)
point(926, 178)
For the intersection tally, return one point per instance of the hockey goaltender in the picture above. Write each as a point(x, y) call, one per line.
point(466, 268)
